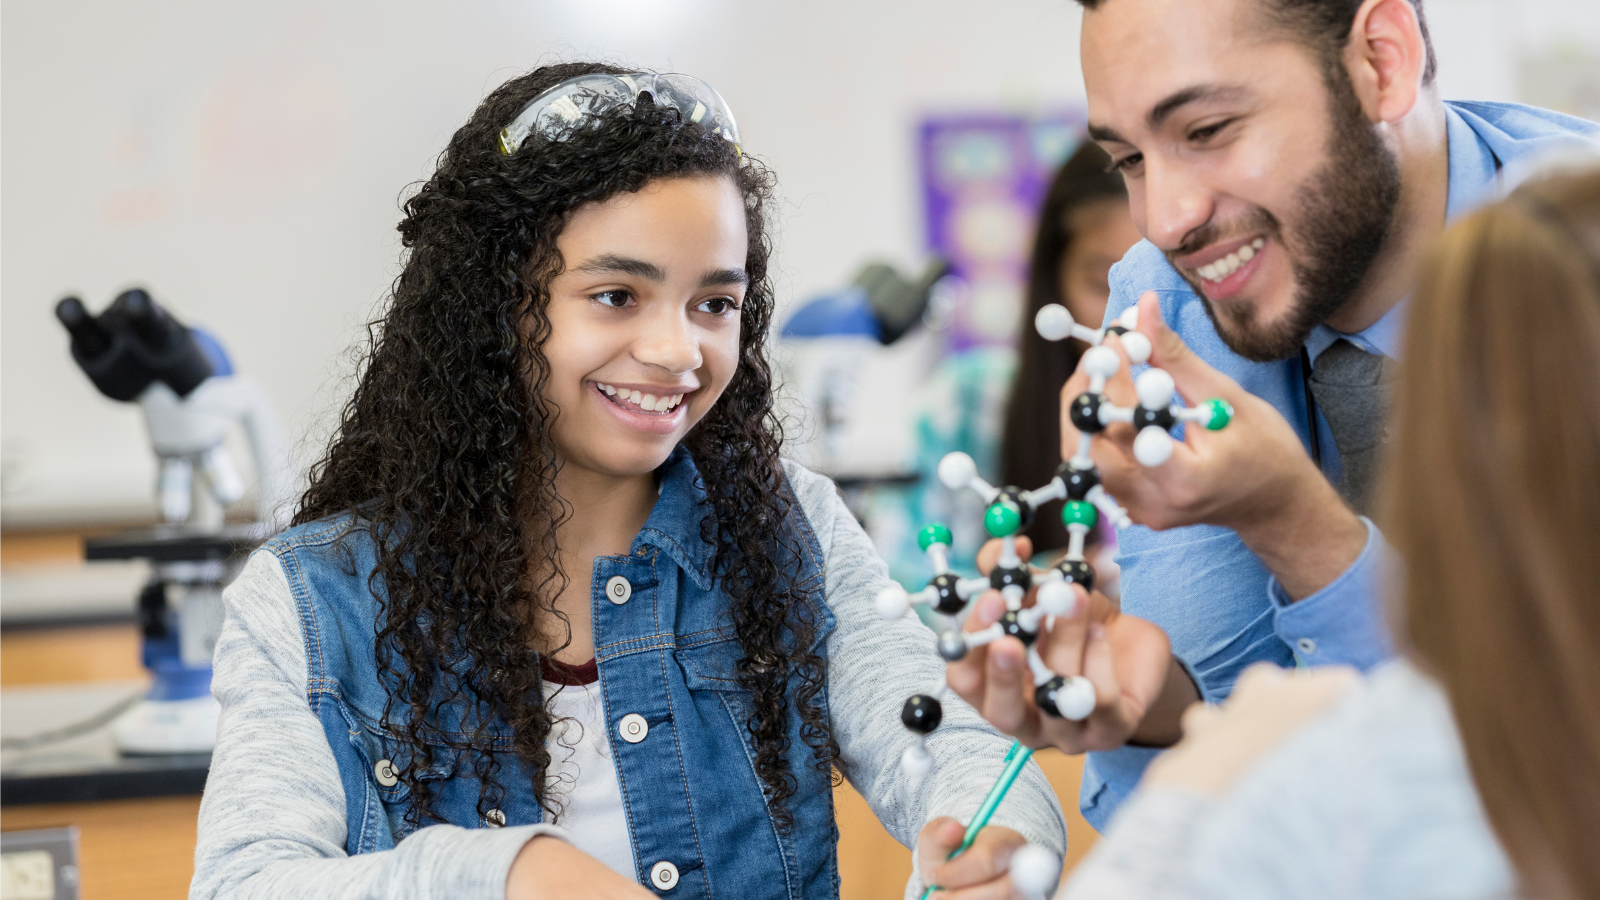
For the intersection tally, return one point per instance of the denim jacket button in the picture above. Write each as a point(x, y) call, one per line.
point(385, 772)
point(664, 876)
point(618, 590)
point(495, 818)
point(633, 729)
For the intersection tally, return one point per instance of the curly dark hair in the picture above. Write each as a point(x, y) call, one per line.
point(444, 452)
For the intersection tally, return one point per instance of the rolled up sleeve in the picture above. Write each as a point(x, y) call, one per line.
point(1346, 622)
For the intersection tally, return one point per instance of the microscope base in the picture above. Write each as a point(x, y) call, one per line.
point(158, 727)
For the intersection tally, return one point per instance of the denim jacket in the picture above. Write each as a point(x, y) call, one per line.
point(665, 650)
point(300, 802)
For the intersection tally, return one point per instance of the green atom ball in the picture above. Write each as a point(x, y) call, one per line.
point(1002, 518)
point(933, 534)
point(1218, 414)
point(1078, 512)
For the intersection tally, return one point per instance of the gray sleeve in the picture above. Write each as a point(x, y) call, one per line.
point(272, 821)
point(873, 666)
point(1370, 801)
point(1146, 852)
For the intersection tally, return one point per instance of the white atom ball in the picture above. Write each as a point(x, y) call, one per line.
point(1155, 389)
point(1101, 362)
point(1053, 322)
point(1153, 446)
point(1137, 345)
point(892, 602)
point(957, 470)
point(1076, 699)
point(1035, 871)
point(916, 762)
point(1056, 598)
point(1129, 318)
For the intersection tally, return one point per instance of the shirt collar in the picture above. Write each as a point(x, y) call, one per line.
point(1474, 181)
point(674, 523)
point(1382, 338)
point(1474, 169)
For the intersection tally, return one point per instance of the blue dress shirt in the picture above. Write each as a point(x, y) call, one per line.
point(1222, 609)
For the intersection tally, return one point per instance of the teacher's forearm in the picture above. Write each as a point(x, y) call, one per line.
point(1306, 540)
point(1162, 724)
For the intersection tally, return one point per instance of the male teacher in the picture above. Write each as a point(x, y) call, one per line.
point(1287, 162)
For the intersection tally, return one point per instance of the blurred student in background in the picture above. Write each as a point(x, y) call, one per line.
point(1489, 725)
point(1084, 229)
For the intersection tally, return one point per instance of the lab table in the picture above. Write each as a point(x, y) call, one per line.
point(87, 767)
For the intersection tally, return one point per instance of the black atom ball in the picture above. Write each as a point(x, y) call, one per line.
point(1011, 624)
point(1079, 482)
point(1001, 577)
point(1078, 572)
point(948, 601)
point(1044, 696)
point(921, 714)
point(1014, 494)
point(1085, 413)
point(1160, 417)
point(1116, 329)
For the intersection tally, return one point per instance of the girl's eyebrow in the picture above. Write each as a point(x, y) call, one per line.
point(613, 264)
point(610, 263)
point(719, 277)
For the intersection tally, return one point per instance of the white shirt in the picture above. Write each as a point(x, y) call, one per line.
point(582, 777)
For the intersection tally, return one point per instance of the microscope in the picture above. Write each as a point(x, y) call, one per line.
point(846, 371)
point(136, 351)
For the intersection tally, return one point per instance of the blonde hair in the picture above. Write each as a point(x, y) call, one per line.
point(1493, 499)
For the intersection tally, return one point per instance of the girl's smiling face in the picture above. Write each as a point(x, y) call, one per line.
point(644, 321)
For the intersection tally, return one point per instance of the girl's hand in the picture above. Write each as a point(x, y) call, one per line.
point(981, 873)
point(549, 868)
point(1268, 704)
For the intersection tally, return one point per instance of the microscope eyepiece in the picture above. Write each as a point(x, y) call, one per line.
point(149, 321)
point(131, 344)
point(71, 313)
point(86, 333)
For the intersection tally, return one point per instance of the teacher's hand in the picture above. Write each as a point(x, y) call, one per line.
point(1253, 476)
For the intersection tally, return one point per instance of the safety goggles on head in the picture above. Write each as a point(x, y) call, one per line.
point(557, 111)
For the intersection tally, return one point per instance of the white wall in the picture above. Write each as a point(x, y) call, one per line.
point(244, 160)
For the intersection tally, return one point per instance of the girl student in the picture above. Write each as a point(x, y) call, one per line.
point(554, 619)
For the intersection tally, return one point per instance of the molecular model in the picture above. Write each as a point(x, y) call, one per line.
point(948, 595)
point(1011, 511)
point(1155, 415)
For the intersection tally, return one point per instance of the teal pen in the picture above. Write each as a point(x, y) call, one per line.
point(1016, 758)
